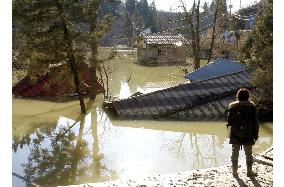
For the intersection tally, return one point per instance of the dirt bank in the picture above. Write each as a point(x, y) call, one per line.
point(217, 176)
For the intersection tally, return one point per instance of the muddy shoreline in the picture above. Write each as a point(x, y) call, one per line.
point(215, 176)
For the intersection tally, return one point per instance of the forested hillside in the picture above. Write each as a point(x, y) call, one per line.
point(135, 16)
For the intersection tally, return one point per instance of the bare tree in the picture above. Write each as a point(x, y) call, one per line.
point(99, 27)
point(94, 8)
point(194, 30)
point(106, 71)
point(213, 32)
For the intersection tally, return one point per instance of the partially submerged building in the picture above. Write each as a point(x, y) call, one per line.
point(215, 68)
point(44, 86)
point(203, 99)
point(161, 48)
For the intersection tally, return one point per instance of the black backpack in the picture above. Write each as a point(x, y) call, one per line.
point(241, 125)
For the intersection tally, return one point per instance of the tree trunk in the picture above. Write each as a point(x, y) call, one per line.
point(71, 58)
point(96, 156)
point(107, 85)
point(197, 38)
point(213, 32)
point(94, 48)
point(93, 69)
point(77, 150)
point(103, 84)
point(193, 40)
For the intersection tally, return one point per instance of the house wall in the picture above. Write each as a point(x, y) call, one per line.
point(146, 53)
point(181, 53)
point(171, 54)
point(160, 53)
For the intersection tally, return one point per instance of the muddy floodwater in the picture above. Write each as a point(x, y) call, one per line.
point(53, 144)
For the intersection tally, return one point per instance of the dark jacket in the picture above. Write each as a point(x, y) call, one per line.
point(246, 112)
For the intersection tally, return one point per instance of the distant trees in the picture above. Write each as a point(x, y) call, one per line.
point(212, 6)
point(133, 20)
point(205, 7)
point(221, 23)
point(223, 19)
point(257, 54)
point(130, 6)
point(153, 17)
point(139, 16)
point(144, 11)
point(147, 13)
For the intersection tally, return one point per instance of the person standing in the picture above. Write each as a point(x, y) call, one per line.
point(242, 119)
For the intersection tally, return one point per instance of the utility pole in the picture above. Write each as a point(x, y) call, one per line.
point(230, 6)
point(133, 34)
point(230, 20)
point(240, 4)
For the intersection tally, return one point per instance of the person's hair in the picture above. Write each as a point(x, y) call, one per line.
point(243, 94)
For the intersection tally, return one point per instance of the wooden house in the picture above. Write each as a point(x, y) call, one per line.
point(161, 48)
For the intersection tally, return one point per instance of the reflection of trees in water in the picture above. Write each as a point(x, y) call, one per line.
point(205, 148)
point(208, 155)
point(176, 146)
point(58, 157)
point(24, 138)
point(102, 172)
point(95, 167)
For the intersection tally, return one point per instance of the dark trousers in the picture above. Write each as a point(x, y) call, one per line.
point(248, 153)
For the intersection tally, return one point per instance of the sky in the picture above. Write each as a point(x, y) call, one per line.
point(167, 5)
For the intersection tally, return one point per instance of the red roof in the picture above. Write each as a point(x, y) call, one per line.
point(26, 88)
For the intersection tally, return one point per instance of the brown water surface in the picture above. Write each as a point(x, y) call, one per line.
point(53, 144)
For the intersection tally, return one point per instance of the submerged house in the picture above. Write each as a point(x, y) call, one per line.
point(204, 99)
point(215, 68)
point(161, 48)
point(44, 86)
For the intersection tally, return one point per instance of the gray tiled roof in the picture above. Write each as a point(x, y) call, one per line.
point(210, 111)
point(164, 39)
point(217, 67)
point(185, 99)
